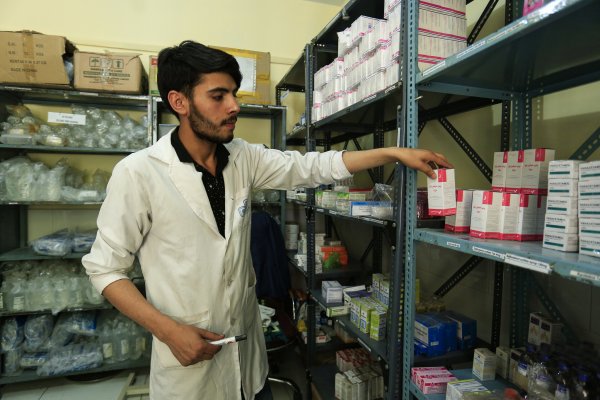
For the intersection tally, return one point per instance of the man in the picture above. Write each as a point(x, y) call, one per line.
point(182, 206)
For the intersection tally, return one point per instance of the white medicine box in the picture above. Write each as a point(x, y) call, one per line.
point(441, 193)
point(499, 171)
point(514, 170)
point(485, 214)
point(461, 221)
point(534, 175)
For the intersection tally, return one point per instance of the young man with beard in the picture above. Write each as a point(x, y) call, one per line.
point(182, 206)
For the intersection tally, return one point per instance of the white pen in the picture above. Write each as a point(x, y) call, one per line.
point(227, 340)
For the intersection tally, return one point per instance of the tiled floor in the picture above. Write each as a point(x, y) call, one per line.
point(288, 365)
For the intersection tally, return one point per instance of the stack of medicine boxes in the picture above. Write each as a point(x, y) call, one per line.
point(589, 208)
point(561, 222)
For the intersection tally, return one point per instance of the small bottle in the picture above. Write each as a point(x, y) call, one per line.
point(563, 382)
point(540, 381)
point(17, 296)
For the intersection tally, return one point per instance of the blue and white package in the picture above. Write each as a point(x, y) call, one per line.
point(466, 330)
point(431, 334)
point(449, 329)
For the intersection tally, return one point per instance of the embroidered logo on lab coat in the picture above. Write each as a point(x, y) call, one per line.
point(242, 209)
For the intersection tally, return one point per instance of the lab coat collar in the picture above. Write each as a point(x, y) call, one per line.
point(189, 183)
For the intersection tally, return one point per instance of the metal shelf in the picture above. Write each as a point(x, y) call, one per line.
point(75, 96)
point(27, 253)
point(528, 255)
point(366, 220)
point(551, 49)
point(294, 79)
point(377, 348)
point(30, 375)
point(299, 132)
point(460, 374)
point(66, 149)
point(88, 307)
point(394, 89)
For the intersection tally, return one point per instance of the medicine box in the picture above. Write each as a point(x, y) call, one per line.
point(561, 241)
point(589, 245)
point(378, 323)
point(485, 213)
point(419, 371)
point(502, 361)
point(461, 221)
point(436, 385)
point(534, 175)
point(509, 216)
point(484, 364)
point(562, 205)
point(568, 169)
point(456, 390)
point(533, 335)
point(550, 331)
point(513, 171)
point(589, 226)
point(331, 291)
point(589, 188)
point(499, 171)
point(589, 207)
point(527, 228)
point(561, 223)
point(466, 330)
point(436, 334)
point(562, 187)
point(515, 356)
point(441, 193)
point(589, 171)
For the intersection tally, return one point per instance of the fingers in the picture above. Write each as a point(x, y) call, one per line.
point(208, 335)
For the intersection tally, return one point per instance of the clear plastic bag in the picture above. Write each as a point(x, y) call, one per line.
point(82, 241)
point(55, 244)
point(12, 333)
point(71, 358)
point(38, 329)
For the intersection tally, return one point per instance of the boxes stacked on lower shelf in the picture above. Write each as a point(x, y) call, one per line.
point(359, 377)
point(439, 333)
point(432, 380)
point(589, 205)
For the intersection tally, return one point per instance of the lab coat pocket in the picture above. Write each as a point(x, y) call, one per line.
point(166, 359)
point(241, 203)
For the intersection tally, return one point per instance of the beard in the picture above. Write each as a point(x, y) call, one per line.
point(205, 129)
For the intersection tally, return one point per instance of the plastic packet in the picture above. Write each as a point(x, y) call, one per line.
point(37, 330)
point(55, 244)
point(71, 358)
point(82, 241)
point(81, 323)
point(33, 360)
point(12, 333)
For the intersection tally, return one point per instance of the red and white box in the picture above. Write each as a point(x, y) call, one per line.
point(485, 214)
point(421, 379)
point(509, 216)
point(534, 174)
point(499, 171)
point(527, 226)
point(461, 221)
point(441, 193)
point(514, 170)
point(420, 371)
point(436, 385)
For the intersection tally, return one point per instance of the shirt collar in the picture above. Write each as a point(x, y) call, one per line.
point(185, 157)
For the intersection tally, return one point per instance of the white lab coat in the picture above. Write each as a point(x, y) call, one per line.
point(156, 208)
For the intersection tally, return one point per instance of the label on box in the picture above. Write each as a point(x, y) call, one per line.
point(66, 118)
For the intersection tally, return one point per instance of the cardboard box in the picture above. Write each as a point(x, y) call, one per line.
point(589, 188)
point(562, 205)
point(441, 193)
point(550, 331)
point(34, 59)
point(499, 171)
point(509, 216)
point(566, 169)
point(534, 176)
point(152, 76)
point(461, 221)
point(457, 389)
point(562, 187)
point(533, 335)
point(466, 330)
point(589, 245)
point(485, 214)
point(502, 361)
point(109, 72)
point(527, 226)
point(589, 171)
point(561, 241)
point(561, 223)
point(484, 364)
point(515, 356)
point(256, 75)
point(589, 207)
point(589, 227)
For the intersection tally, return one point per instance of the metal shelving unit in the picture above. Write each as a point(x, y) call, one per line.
point(547, 51)
point(15, 214)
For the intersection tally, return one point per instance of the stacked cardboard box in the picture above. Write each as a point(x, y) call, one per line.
point(561, 220)
point(589, 208)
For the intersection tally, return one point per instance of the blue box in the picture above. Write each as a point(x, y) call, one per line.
point(430, 335)
point(449, 328)
point(466, 330)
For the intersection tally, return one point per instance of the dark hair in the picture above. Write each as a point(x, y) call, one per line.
point(180, 68)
